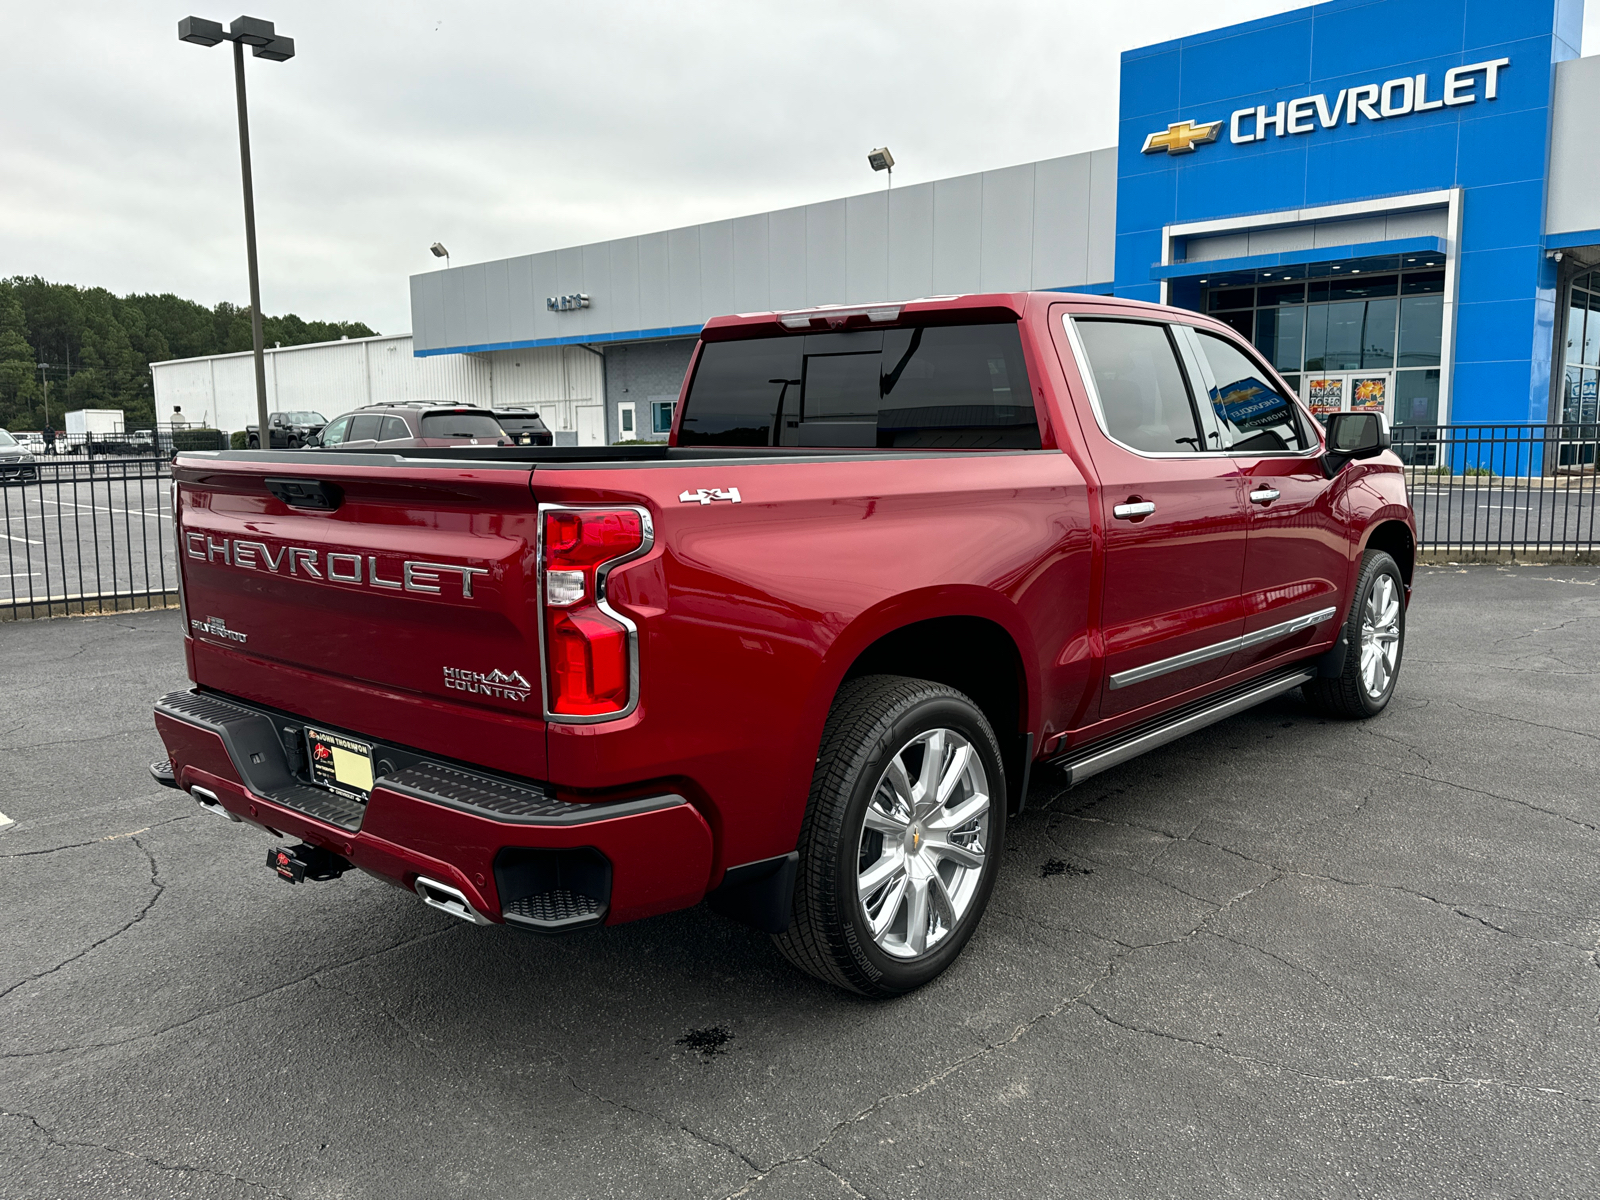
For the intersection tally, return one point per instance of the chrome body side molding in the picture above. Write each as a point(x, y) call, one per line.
point(1206, 653)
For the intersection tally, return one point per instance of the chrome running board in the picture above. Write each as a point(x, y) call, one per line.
point(1178, 662)
point(1083, 762)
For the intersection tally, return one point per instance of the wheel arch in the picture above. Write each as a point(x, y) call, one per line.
point(1394, 537)
point(970, 639)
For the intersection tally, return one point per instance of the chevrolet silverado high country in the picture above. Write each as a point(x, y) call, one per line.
point(800, 660)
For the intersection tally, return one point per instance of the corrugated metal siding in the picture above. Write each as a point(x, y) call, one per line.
point(327, 377)
point(1039, 225)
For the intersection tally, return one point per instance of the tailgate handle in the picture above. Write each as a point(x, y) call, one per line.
point(307, 493)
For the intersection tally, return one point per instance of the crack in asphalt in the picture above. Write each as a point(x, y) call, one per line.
point(232, 1004)
point(110, 837)
point(1256, 1060)
point(180, 1168)
point(1522, 721)
point(156, 884)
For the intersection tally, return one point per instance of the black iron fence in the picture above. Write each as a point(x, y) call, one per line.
point(93, 533)
point(87, 536)
point(1513, 491)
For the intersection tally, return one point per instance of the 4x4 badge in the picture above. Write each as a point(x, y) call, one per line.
point(707, 495)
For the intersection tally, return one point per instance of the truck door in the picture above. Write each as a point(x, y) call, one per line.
point(1296, 556)
point(1174, 516)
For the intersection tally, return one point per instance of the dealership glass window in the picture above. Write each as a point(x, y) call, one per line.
point(1144, 401)
point(661, 415)
point(1416, 397)
point(1352, 322)
point(1581, 393)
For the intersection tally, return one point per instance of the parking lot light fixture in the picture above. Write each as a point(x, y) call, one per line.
point(881, 160)
point(440, 252)
point(264, 42)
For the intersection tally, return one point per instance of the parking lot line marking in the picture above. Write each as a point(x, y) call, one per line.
point(5, 821)
point(155, 516)
point(25, 541)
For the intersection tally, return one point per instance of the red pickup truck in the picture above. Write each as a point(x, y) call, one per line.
point(800, 661)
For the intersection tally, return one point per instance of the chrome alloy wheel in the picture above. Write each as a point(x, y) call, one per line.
point(1380, 636)
point(923, 842)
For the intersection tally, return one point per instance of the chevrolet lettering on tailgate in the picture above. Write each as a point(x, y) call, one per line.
point(332, 566)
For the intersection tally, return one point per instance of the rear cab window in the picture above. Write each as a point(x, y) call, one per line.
point(937, 387)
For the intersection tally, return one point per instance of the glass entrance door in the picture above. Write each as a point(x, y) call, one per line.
point(1349, 391)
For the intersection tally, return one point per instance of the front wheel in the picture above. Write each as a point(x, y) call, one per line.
point(1375, 638)
point(901, 839)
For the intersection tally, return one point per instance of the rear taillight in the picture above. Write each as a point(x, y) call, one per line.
point(588, 645)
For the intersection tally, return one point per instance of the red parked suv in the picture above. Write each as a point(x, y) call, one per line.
point(800, 661)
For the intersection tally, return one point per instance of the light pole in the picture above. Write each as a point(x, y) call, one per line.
point(264, 43)
point(881, 160)
point(440, 252)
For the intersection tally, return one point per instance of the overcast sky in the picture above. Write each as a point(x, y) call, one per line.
point(505, 128)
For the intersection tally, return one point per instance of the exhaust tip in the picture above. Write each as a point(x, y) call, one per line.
point(207, 799)
point(448, 899)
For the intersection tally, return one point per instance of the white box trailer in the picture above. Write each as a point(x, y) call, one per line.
point(99, 422)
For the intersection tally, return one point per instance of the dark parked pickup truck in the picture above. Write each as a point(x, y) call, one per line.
point(801, 660)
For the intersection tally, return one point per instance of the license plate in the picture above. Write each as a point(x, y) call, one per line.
point(340, 764)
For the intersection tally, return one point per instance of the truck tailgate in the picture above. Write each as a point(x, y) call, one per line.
point(331, 589)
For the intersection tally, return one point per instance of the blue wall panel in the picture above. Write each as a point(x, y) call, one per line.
point(1495, 150)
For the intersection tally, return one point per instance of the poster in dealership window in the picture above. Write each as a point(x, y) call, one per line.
point(1325, 395)
point(1370, 394)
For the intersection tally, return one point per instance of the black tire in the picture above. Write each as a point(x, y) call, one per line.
point(1351, 695)
point(873, 720)
point(254, 443)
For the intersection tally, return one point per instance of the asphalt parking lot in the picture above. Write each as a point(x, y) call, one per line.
point(1282, 957)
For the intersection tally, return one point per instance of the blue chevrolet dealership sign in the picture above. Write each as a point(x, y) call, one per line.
point(1332, 116)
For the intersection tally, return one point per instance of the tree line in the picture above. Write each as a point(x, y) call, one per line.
point(95, 348)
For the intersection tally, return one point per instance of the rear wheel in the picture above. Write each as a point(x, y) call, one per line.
point(902, 836)
point(1375, 636)
point(255, 443)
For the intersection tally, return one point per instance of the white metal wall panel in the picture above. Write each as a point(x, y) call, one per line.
point(519, 285)
point(910, 243)
point(1060, 255)
point(1007, 258)
point(1573, 202)
point(786, 256)
point(866, 254)
point(752, 264)
point(716, 267)
point(310, 379)
point(1103, 216)
point(957, 234)
point(545, 278)
point(186, 386)
point(497, 301)
point(621, 311)
point(655, 282)
point(683, 276)
point(825, 251)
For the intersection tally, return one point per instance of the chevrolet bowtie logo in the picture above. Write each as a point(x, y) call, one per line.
point(1181, 137)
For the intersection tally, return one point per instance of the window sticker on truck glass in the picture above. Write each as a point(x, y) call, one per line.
point(340, 764)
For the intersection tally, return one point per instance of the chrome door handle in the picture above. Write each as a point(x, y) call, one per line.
point(1263, 495)
point(1127, 512)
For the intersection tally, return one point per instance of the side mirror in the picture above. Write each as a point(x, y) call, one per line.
point(1353, 435)
point(314, 439)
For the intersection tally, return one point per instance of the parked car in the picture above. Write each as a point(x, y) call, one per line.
point(801, 661)
point(288, 430)
point(524, 426)
point(17, 464)
point(412, 425)
point(31, 441)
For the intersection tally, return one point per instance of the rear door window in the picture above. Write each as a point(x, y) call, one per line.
point(1142, 398)
point(364, 428)
point(393, 430)
point(937, 387)
point(1255, 416)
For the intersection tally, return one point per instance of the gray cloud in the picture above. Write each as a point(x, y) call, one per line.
point(502, 128)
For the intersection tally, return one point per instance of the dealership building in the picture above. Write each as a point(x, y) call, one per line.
point(1398, 201)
